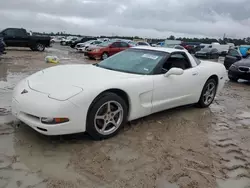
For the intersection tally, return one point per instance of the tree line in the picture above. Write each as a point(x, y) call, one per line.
point(243, 41)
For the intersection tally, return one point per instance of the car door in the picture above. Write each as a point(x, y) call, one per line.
point(9, 37)
point(114, 48)
point(175, 90)
point(21, 38)
point(232, 56)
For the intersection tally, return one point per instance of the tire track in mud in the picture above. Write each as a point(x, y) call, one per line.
point(226, 140)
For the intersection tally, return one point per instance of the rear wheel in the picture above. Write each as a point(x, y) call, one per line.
point(40, 47)
point(208, 93)
point(106, 116)
point(105, 55)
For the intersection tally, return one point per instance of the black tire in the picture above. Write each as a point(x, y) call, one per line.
point(40, 47)
point(95, 106)
point(201, 102)
point(105, 55)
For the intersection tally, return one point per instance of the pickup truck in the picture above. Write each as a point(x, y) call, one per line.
point(18, 37)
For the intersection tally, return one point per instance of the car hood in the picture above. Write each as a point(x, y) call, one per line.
point(243, 62)
point(65, 81)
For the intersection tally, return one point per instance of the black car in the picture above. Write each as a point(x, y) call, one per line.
point(240, 70)
point(208, 53)
point(232, 57)
point(82, 40)
point(18, 37)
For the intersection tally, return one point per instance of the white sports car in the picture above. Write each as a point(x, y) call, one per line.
point(101, 98)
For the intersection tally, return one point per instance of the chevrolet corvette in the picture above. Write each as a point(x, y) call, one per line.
point(99, 99)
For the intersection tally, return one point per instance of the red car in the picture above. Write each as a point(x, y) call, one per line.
point(106, 49)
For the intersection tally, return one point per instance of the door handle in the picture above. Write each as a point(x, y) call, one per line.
point(195, 73)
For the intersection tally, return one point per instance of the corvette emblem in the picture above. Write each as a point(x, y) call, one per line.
point(24, 91)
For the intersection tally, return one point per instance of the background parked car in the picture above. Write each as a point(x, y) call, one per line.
point(233, 56)
point(19, 37)
point(82, 40)
point(208, 53)
point(240, 70)
point(142, 43)
point(106, 49)
point(68, 41)
point(83, 46)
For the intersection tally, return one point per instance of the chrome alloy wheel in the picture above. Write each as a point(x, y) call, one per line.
point(108, 118)
point(209, 93)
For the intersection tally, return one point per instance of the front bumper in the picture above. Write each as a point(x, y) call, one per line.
point(234, 73)
point(32, 106)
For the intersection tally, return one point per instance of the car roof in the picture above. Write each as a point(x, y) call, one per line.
point(162, 49)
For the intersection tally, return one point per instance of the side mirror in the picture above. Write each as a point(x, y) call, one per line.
point(174, 71)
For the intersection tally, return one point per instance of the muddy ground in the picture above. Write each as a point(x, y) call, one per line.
point(180, 148)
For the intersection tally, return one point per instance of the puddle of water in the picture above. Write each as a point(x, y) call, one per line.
point(244, 114)
point(8, 80)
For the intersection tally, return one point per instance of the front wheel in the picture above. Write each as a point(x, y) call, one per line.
point(208, 93)
point(106, 116)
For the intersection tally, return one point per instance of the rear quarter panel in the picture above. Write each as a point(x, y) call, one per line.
point(207, 69)
point(40, 39)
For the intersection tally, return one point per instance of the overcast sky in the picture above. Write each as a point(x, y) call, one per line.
point(146, 18)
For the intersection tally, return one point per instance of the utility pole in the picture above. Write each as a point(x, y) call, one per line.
point(224, 36)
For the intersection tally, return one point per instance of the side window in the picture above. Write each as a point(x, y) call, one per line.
point(19, 32)
point(9, 32)
point(177, 60)
point(196, 60)
point(116, 45)
point(98, 42)
point(233, 52)
point(124, 45)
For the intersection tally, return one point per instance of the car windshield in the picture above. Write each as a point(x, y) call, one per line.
point(136, 61)
point(87, 42)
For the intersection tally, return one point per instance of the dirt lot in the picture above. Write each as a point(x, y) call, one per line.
point(180, 148)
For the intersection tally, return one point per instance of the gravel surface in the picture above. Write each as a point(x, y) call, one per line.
point(185, 147)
